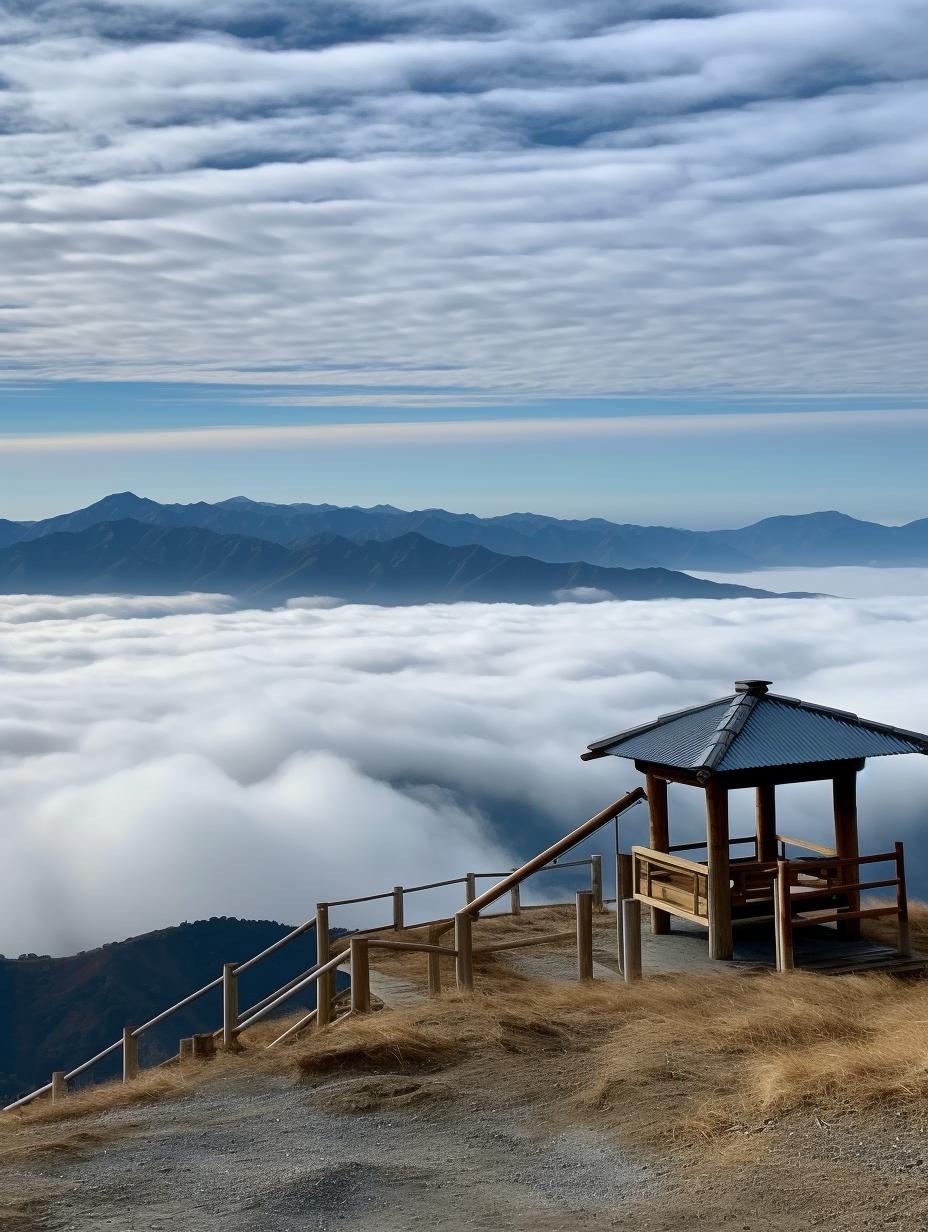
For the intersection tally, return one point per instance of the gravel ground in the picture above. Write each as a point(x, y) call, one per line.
point(261, 1153)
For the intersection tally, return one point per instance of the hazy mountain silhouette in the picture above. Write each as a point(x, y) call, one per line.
point(815, 539)
point(130, 557)
point(57, 1012)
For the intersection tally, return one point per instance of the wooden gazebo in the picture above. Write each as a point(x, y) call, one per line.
point(756, 739)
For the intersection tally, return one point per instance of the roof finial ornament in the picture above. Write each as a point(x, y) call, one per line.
point(757, 688)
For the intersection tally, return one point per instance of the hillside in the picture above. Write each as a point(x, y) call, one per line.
point(814, 539)
point(57, 1012)
point(711, 1103)
point(140, 558)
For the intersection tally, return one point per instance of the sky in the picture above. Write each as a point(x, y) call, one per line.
point(648, 260)
point(171, 759)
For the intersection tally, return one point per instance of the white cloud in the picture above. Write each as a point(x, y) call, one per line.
point(582, 201)
point(156, 766)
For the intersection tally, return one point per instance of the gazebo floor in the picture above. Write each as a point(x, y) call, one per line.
point(818, 949)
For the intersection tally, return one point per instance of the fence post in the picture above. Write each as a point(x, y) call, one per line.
point(515, 900)
point(464, 944)
point(229, 1004)
point(902, 906)
point(623, 890)
point(585, 934)
point(631, 940)
point(360, 975)
point(596, 881)
point(783, 918)
point(434, 965)
point(130, 1054)
point(202, 1046)
point(324, 985)
point(185, 1048)
point(471, 890)
point(398, 920)
point(59, 1086)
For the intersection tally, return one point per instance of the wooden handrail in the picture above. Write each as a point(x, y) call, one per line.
point(806, 845)
point(551, 853)
point(671, 861)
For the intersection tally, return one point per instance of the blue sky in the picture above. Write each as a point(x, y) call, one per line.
point(659, 262)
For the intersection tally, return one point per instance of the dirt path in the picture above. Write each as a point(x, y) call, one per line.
point(385, 1153)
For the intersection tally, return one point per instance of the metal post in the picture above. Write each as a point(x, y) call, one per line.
point(360, 975)
point(130, 1054)
point(59, 1086)
point(398, 920)
point(585, 900)
point(464, 944)
point(631, 939)
point(229, 1004)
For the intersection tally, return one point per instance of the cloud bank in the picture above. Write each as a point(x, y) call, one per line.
point(523, 198)
point(172, 759)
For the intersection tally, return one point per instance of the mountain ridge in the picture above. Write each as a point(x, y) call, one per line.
point(134, 557)
point(824, 538)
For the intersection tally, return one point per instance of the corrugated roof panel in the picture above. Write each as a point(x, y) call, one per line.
point(676, 742)
point(777, 733)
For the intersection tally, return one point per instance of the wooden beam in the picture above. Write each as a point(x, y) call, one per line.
point(844, 791)
point(585, 934)
point(659, 827)
point(765, 816)
point(807, 772)
point(720, 935)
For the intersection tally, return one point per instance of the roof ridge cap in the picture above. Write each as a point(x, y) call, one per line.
point(728, 730)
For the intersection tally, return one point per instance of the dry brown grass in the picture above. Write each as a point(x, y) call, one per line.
point(886, 930)
point(706, 1052)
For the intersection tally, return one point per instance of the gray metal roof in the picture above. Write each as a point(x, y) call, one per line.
point(753, 728)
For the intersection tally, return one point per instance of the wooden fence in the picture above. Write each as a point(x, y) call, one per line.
point(332, 1005)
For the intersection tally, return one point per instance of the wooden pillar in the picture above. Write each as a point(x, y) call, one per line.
point(585, 934)
point(325, 985)
point(844, 791)
point(515, 900)
point(623, 889)
point(59, 1085)
point(464, 945)
point(360, 975)
point(720, 935)
point(470, 887)
point(630, 910)
point(434, 963)
point(398, 917)
point(765, 815)
point(659, 827)
point(130, 1054)
point(596, 881)
point(229, 1004)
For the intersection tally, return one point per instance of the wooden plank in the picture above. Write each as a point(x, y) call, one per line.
point(680, 912)
point(664, 860)
point(804, 844)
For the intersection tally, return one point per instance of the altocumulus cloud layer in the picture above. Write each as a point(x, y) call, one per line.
point(171, 759)
point(458, 201)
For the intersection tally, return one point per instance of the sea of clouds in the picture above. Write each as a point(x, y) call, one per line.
point(170, 759)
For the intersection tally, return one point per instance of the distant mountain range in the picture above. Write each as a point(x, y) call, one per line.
point(815, 539)
point(57, 1012)
point(132, 557)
